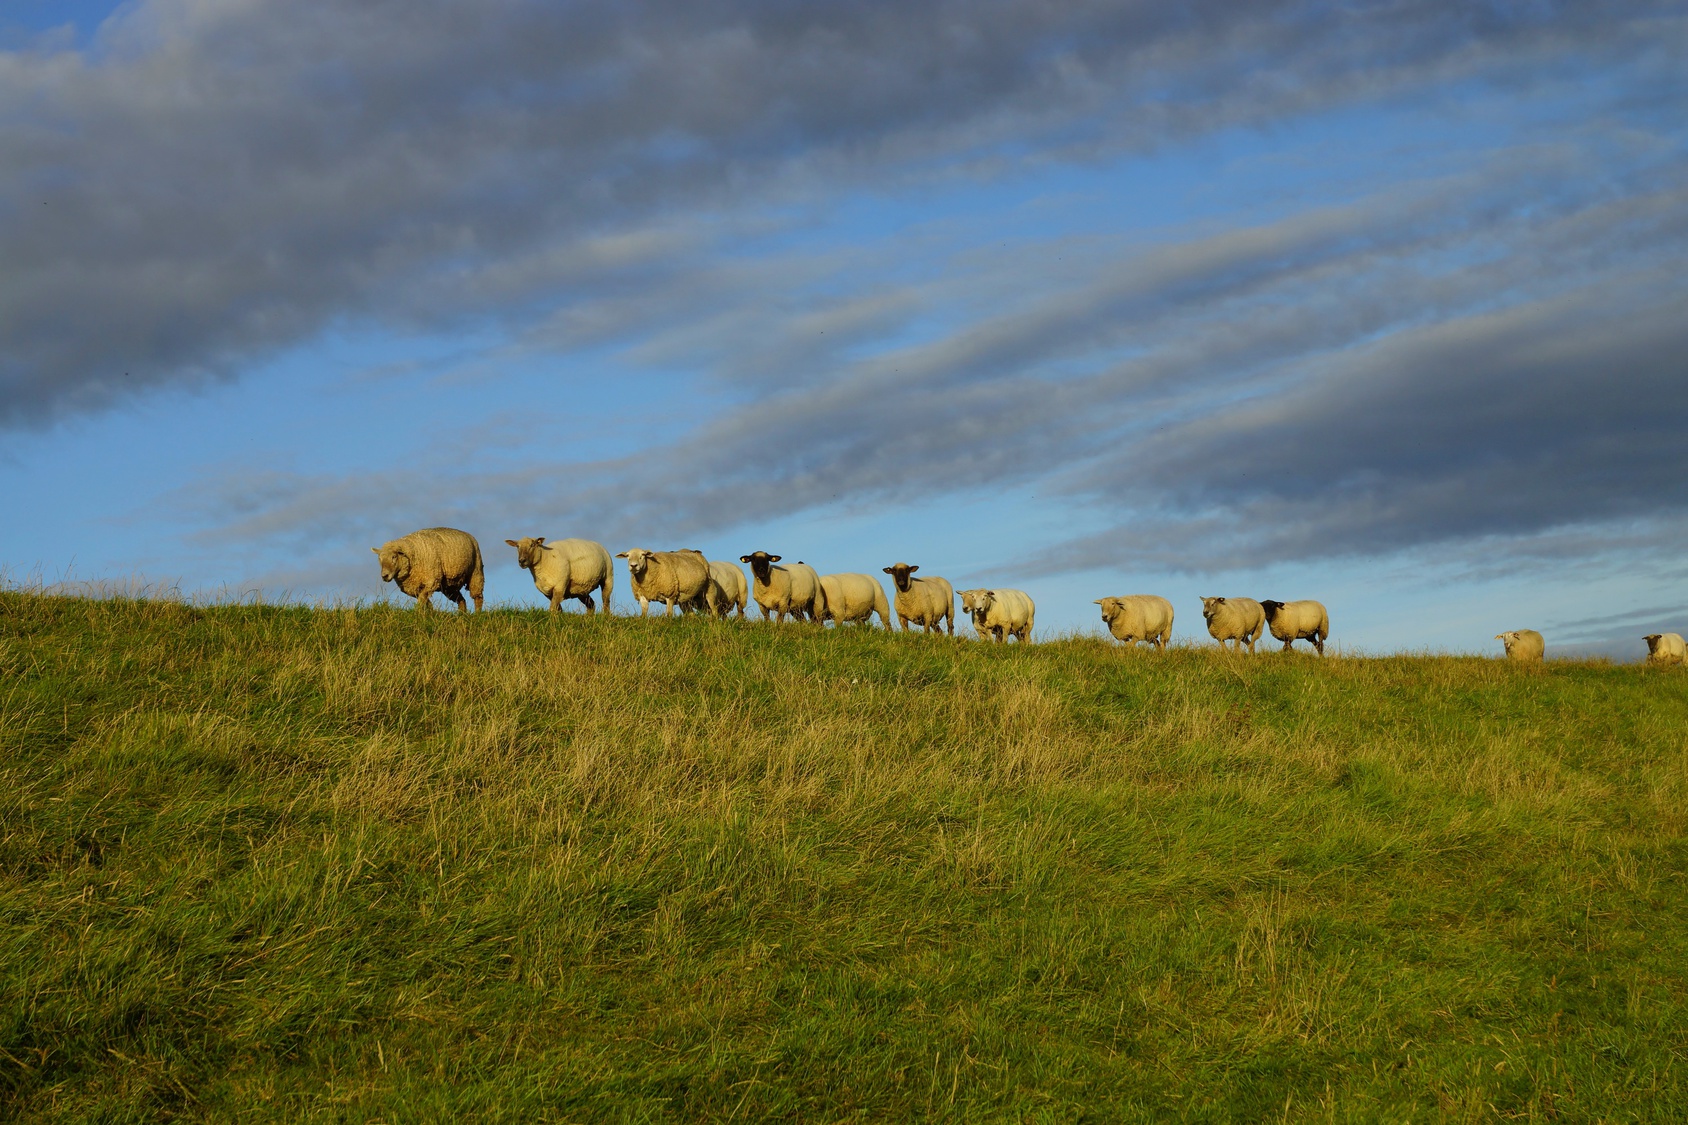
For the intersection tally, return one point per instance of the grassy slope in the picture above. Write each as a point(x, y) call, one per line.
point(284, 863)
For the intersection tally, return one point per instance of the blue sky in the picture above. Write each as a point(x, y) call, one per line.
point(1373, 305)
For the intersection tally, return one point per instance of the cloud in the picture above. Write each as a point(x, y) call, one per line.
point(206, 184)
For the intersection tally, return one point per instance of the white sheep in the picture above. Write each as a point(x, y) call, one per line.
point(854, 597)
point(678, 578)
point(566, 568)
point(727, 589)
point(1298, 621)
point(1138, 617)
point(434, 560)
point(782, 590)
point(1524, 645)
point(1666, 648)
point(928, 602)
point(1239, 620)
point(999, 614)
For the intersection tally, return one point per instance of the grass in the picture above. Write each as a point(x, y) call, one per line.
point(283, 863)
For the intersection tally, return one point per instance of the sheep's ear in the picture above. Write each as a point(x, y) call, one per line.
point(744, 558)
point(775, 558)
point(621, 554)
point(540, 539)
point(990, 593)
point(912, 569)
point(514, 544)
point(377, 550)
point(1218, 601)
point(887, 570)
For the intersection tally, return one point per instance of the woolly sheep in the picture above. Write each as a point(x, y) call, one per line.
point(854, 597)
point(999, 614)
point(434, 560)
point(727, 589)
point(782, 590)
point(566, 568)
point(1522, 644)
point(927, 602)
point(678, 578)
point(1138, 617)
point(1298, 621)
point(1666, 648)
point(1239, 620)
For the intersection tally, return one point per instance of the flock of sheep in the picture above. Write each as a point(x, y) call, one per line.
point(444, 560)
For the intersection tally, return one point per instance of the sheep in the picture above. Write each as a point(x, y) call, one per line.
point(1522, 644)
point(434, 560)
point(678, 578)
point(782, 590)
point(853, 598)
point(1138, 617)
point(927, 602)
point(727, 589)
point(1666, 648)
point(567, 568)
point(1298, 621)
point(1000, 613)
point(1239, 620)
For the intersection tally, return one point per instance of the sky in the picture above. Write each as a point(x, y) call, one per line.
point(1382, 304)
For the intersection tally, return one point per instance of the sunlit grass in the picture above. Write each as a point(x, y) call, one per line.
point(365, 863)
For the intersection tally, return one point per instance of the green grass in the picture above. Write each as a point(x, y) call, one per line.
point(283, 863)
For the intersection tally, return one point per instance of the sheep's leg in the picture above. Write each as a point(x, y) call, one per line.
point(586, 600)
point(556, 600)
point(644, 606)
point(425, 600)
point(1289, 645)
point(1319, 643)
point(456, 595)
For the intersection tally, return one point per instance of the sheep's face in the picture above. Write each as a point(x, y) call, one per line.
point(1210, 606)
point(969, 600)
point(528, 551)
point(899, 573)
point(1653, 640)
point(761, 563)
point(1507, 640)
point(1110, 609)
point(395, 564)
point(638, 560)
point(1271, 609)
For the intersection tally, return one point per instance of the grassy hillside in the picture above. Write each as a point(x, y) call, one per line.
point(288, 863)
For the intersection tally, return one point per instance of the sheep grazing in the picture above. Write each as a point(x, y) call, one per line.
point(1239, 620)
point(679, 578)
point(1138, 617)
point(1000, 614)
point(1522, 644)
point(1297, 621)
point(727, 589)
point(854, 598)
point(1666, 648)
point(567, 568)
point(927, 602)
point(435, 560)
point(782, 590)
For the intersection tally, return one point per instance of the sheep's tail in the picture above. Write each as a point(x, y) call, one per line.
point(477, 578)
point(609, 583)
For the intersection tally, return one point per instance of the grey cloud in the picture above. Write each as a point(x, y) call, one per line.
point(207, 184)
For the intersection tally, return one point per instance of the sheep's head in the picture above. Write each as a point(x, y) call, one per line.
point(899, 573)
point(395, 563)
point(1653, 640)
point(761, 562)
point(638, 560)
point(528, 551)
point(1210, 606)
point(1271, 608)
point(969, 599)
point(1110, 608)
